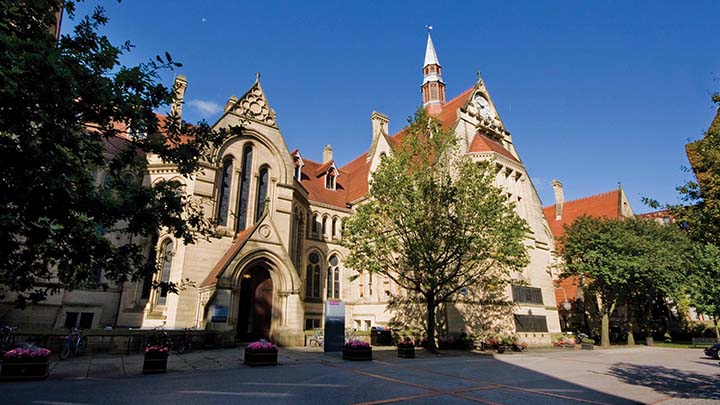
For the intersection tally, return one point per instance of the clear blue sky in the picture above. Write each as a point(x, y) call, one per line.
point(592, 92)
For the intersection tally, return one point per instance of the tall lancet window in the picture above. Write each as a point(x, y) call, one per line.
point(224, 197)
point(262, 191)
point(244, 189)
point(164, 276)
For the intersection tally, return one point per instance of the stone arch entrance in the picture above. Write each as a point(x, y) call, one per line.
point(256, 304)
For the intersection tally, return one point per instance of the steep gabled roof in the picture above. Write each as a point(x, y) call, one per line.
point(238, 243)
point(313, 179)
point(482, 143)
point(357, 183)
point(605, 205)
point(353, 182)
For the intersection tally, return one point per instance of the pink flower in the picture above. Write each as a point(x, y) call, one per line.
point(21, 353)
point(357, 344)
point(262, 346)
point(157, 349)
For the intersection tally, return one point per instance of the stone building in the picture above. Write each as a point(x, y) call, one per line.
point(281, 215)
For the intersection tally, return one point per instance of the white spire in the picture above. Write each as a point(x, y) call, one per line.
point(430, 55)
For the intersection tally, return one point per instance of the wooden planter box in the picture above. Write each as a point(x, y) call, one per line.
point(261, 358)
point(24, 369)
point(155, 363)
point(406, 352)
point(364, 354)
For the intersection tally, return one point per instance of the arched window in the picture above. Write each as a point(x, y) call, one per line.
point(330, 179)
point(334, 229)
point(262, 191)
point(164, 276)
point(298, 224)
point(333, 278)
point(315, 224)
point(312, 276)
point(224, 197)
point(324, 226)
point(244, 189)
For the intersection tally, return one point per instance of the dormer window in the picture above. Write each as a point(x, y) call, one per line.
point(330, 178)
point(298, 165)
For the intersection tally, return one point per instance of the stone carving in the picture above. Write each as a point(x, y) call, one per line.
point(253, 105)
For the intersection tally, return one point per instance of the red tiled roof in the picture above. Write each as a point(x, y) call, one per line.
point(449, 114)
point(313, 180)
point(358, 171)
point(238, 243)
point(605, 205)
point(482, 143)
point(352, 184)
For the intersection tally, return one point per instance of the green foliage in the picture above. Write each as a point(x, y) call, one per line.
point(705, 282)
point(64, 107)
point(434, 222)
point(630, 261)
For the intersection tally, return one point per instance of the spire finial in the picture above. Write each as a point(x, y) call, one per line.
point(257, 76)
point(429, 28)
point(479, 75)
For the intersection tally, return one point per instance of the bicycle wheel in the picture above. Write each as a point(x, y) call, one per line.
point(65, 352)
point(81, 346)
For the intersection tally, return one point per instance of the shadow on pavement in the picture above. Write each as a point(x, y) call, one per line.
point(669, 381)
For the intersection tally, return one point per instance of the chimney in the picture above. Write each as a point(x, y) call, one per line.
point(179, 86)
point(327, 153)
point(559, 198)
point(230, 103)
point(380, 122)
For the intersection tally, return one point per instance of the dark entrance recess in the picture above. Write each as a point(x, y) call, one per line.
point(255, 315)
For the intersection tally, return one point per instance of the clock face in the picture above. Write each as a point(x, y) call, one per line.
point(483, 106)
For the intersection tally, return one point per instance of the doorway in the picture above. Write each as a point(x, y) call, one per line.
point(256, 290)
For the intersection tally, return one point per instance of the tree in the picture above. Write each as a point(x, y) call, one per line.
point(705, 282)
point(631, 261)
point(434, 223)
point(699, 215)
point(65, 106)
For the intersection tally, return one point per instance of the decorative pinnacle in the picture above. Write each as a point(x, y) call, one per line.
point(429, 28)
point(257, 76)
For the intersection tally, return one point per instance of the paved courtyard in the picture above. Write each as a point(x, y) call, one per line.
point(615, 376)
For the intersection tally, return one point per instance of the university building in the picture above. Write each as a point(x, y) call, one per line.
point(281, 217)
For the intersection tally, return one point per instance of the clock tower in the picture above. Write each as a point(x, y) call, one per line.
point(433, 87)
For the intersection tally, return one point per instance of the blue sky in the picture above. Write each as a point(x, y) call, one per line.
point(594, 93)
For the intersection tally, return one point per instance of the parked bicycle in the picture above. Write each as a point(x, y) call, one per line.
point(7, 339)
point(180, 344)
point(74, 343)
point(317, 339)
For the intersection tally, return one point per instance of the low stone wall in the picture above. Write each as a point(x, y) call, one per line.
point(119, 341)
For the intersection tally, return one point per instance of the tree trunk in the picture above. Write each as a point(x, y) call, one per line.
point(605, 330)
point(430, 330)
point(629, 323)
point(717, 330)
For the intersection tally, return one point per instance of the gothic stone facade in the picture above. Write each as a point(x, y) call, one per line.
point(281, 217)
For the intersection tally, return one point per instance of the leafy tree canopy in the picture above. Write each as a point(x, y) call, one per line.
point(434, 222)
point(65, 105)
point(629, 261)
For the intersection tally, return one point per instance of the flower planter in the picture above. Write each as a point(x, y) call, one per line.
point(254, 359)
point(25, 369)
point(155, 363)
point(587, 346)
point(358, 354)
point(406, 352)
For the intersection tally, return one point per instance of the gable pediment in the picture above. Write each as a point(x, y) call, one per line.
point(254, 105)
